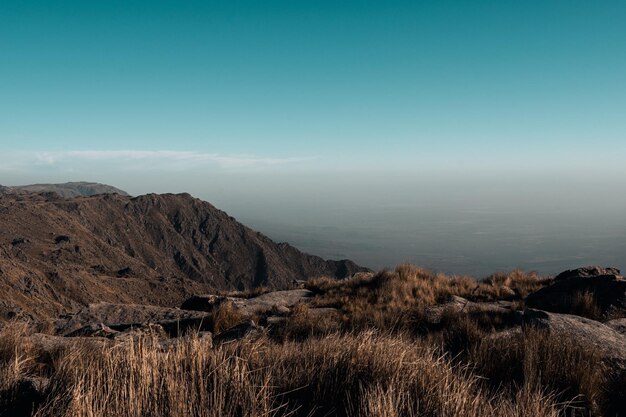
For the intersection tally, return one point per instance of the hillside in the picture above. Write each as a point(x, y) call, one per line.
point(67, 190)
point(57, 254)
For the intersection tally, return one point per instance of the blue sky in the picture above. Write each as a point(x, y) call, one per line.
point(361, 83)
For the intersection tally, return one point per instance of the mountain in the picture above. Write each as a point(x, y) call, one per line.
point(57, 254)
point(67, 190)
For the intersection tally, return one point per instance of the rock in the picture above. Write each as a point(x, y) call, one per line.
point(125, 272)
point(587, 271)
point(589, 333)
point(563, 296)
point(149, 330)
point(93, 330)
point(453, 304)
point(61, 239)
point(122, 317)
point(241, 331)
point(276, 300)
point(207, 302)
point(18, 241)
point(272, 300)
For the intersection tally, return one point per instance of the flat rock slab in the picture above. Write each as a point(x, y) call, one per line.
point(265, 302)
point(123, 316)
point(277, 299)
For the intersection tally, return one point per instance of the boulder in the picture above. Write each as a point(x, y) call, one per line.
point(589, 333)
point(587, 271)
point(564, 296)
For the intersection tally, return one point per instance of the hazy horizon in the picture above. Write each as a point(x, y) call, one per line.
point(460, 136)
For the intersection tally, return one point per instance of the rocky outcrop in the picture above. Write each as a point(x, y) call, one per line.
point(606, 293)
point(587, 271)
point(277, 300)
point(101, 319)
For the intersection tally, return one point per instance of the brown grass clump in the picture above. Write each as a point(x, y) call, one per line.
point(342, 375)
point(584, 304)
point(226, 316)
point(392, 299)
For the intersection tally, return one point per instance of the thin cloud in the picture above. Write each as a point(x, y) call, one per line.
point(144, 159)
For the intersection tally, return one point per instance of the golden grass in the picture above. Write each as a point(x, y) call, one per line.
point(344, 375)
point(367, 359)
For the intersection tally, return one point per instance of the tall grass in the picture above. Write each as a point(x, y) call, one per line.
point(341, 374)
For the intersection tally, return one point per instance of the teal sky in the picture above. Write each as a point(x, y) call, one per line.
point(361, 83)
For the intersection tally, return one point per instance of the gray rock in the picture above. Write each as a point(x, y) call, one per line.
point(587, 271)
point(589, 333)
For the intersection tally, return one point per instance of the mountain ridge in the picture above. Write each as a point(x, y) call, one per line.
point(60, 254)
point(66, 190)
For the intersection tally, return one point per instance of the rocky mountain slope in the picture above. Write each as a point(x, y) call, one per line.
point(58, 255)
point(66, 190)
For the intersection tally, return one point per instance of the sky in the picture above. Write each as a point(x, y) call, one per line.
point(289, 111)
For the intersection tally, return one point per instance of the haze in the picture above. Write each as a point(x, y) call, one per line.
point(463, 137)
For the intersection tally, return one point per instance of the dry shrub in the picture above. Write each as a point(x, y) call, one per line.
point(17, 356)
point(535, 358)
point(520, 282)
point(17, 362)
point(584, 304)
point(139, 379)
point(372, 374)
point(343, 375)
point(227, 316)
point(301, 324)
point(395, 300)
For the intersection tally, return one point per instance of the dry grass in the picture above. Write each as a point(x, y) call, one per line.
point(397, 299)
point(584, 304)
point(364, 360)
point(343, 375)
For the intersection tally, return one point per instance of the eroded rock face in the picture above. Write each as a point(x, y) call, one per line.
point(607, 292)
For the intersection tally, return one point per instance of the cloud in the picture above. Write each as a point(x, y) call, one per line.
point(139, 159)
